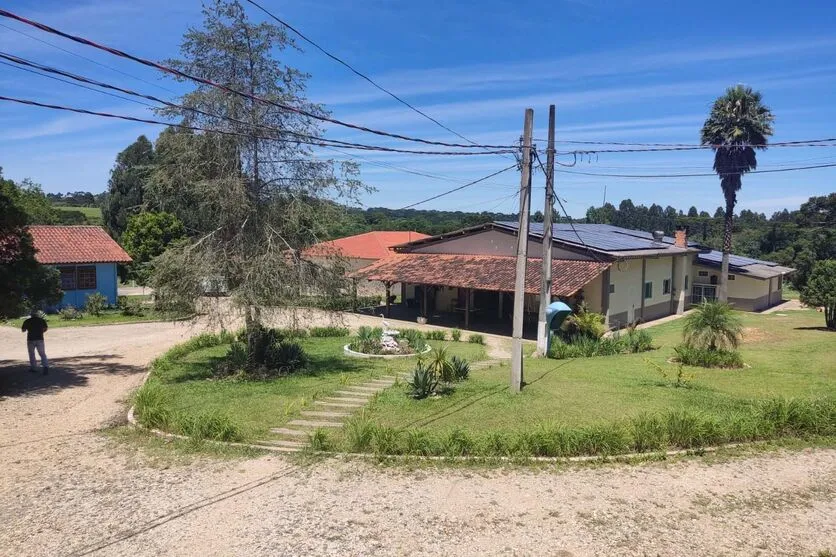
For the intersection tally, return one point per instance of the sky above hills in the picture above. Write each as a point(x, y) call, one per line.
point(621, 70)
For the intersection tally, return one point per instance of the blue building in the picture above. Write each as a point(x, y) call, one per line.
point(85, 256)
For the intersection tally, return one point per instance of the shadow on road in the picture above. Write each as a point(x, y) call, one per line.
point(17, 380)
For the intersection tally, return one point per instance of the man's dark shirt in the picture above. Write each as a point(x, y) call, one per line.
point(34, 327)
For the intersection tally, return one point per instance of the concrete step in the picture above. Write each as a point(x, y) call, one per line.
point(286, 444)
point(353, 394)
point(289, 432)
point(386, 380)
point(363, 389)
point(331, 415)
point(345, 400)
point(340, 405)
point(314, 424)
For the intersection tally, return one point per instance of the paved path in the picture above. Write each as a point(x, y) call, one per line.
point(67, 491)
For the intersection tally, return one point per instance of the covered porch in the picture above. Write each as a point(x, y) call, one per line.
point(474, 292)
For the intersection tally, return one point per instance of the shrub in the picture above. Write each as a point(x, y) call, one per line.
point(259, 341)
point(648, 432)
point(457, 443)
point(704, 357)
point(584, 324)
point(415, 338)
point(367, 340)
point(460, 368)
point(423, 382)
point(96, 304)
point(322, 332)
point(712, 326)
point(130, 307)
point(820, 290)
point(359, 432)
point(436, 334)
point(476, 338)
point(386, 440)
point(455, 335)
point(70, 313)
point(235, 360)
point(214, 425)
point(638, 340)
point(559, 350)
point(285, 357)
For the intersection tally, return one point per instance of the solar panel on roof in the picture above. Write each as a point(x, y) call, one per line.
point(736, 260)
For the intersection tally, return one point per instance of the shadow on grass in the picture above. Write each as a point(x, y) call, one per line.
point(825, 329)
point(17, 380)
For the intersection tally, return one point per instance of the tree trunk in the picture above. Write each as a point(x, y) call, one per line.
point(723, 283)
point(830, 317)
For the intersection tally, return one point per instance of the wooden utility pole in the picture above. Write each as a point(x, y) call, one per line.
point(546, 283)
point(522, 254)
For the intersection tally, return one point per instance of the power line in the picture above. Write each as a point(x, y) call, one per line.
point(694, 175)
point(811, 143)
point(467, 185)
point(699, 145)
point(319, 143)
point(72, 83)
point(92, 61)
point(297, 110)
point(357, 72)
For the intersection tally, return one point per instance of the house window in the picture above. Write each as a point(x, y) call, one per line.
point(86, 278)
point(686, 283)
point(612, 288)
point(703, 273)
point(67, 278)
point(731, 277)
point(648, 290)
point(666, 286)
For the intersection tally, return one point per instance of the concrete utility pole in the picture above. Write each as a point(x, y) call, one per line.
point(546, 283)
point(522, 254)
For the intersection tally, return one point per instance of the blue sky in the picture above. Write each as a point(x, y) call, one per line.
point(618, 70)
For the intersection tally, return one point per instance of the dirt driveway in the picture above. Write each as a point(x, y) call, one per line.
point(67, 490)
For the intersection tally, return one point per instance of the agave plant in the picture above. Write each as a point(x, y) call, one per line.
point(712, 326)
point(439, 364)
point(460, 368)
point(424, 381)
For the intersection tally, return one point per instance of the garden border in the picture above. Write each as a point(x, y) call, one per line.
point(355, 354)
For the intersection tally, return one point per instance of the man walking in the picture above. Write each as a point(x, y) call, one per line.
point(35, 327)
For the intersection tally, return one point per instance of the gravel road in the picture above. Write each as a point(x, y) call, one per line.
point(66, 489)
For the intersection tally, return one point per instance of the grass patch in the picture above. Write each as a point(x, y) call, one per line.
point(107, 317)
point(607, 404)
point(184, 395)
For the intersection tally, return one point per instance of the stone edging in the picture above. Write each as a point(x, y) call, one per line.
point(355, 354)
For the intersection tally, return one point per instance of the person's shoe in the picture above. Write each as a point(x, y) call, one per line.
point(46, 371)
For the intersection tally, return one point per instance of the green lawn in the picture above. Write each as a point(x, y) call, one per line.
point(93, 214)
point(108, 317)
point(787, 355)
point(257, 406)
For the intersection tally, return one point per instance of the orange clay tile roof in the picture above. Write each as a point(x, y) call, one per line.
point(371, 245)
point(483, 272)
point(76, 244)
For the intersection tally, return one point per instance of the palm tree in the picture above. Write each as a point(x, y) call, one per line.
point(738, 124)
point(712, 326)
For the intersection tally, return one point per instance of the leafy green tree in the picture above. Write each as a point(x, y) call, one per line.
point(126, 187)
point(692, 212)
point(23, 281)
point(821, 290)
point(267, 195)
point(147, 236)
point(712, 326)
point(738, 121)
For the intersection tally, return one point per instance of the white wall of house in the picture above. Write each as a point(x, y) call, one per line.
point(592, 294)
point(493, 242)
point(657, 271)
point(625, 292)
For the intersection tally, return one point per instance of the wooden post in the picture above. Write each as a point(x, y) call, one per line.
point(522, 248)
point(546, 282)
point(424, 306)
point(501, 298)
point(467, 308)
point(388, 294)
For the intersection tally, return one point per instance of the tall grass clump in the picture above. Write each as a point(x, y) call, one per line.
point(151, 406)
point(455, 335)
point(476, 338)
point(359, 432)
point(323, 332)
point(213, 425)
point(436, 334)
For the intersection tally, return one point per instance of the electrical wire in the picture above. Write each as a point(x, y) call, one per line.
point(319, 143)
point(357, 72)
point(227, 89)
point(467, 185)
point(82, 57)
point(810, 143)
point(697, 174)
point(697, 145)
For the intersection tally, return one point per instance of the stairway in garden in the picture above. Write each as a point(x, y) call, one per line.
point(327, 413)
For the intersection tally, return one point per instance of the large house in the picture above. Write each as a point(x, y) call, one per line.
point(627, 275)
point(85, 256)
